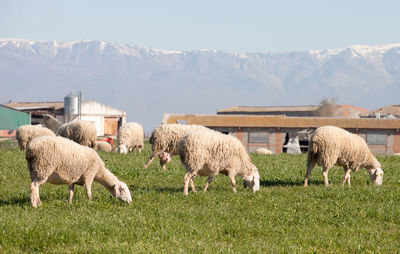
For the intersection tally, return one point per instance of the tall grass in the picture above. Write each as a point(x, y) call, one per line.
point(282, 217)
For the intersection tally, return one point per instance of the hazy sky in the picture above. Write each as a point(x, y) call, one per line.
point(228, 25)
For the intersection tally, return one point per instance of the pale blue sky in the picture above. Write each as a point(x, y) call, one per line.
point(227, 25)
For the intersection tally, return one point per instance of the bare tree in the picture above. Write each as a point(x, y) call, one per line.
point(327, 107)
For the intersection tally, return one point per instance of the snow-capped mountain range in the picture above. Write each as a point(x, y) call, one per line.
point(147, 82)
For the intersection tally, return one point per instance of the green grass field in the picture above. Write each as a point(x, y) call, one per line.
point(283, 217)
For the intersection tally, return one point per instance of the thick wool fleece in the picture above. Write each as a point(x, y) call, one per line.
point(102, 146)
point(131, 135)
point(210, 152)
point(165, 137)
point(26, 133)
point(59, 160)
point(68, 159)
point(80, 131)
point(331, 146)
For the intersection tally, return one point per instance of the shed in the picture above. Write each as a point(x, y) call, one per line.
point(38, 109)
point(11, 119)
point(105, 118)
point(273, 132)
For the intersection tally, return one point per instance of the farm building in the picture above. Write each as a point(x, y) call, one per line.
point(391, 111)
point(298, 111)
point(106, 119)
point(38, 109)
point(11, 119)
point(273, 132)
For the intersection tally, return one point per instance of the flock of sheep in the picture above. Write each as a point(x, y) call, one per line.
point(69, 156)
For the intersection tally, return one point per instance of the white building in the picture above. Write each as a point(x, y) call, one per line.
point(106, 119)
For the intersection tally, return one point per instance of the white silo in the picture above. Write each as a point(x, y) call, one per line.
point(72, 106)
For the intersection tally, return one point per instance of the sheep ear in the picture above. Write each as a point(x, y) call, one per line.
point(116, 191)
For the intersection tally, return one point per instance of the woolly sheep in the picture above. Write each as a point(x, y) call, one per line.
point(263, 151)
point(207, 153)
point(26, 133)
point(102, 146)
point(61, 161)
point(164, 138)
point(80, 131)
point(331, 146)
point(130, 137)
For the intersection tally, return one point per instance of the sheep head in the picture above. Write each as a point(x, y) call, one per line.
point(164, 157)
point(376, 176)
point(121, 191)
point(122, 149)
point(252, 181)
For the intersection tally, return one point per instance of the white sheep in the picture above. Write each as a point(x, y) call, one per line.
point(164, 138)
point(262, 150)
point(26, 133)
point(104, 146)
point(61, 161)
point(130, 137)
point(331, 146)
point(80, 131)
point(207, 153)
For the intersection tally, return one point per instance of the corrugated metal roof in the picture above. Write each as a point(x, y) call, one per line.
point(36, 105)
point(284, 108)
point(392, 109)
point(267, 109)
point(282, 121)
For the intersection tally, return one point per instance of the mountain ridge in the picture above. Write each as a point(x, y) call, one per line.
point(147, 82)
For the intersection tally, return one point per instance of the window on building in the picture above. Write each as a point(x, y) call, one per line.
point(376, 139)
point(258, 137)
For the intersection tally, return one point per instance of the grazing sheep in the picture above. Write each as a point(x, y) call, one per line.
point(61, 161)
point(263, 151)
point(130, 137)
point(207, 153)
point(104, 146)
point(165, 138)
point(80, 131)
point(331, 146)
point(26, 133)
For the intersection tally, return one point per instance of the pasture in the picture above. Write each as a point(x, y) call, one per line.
point(282, 217)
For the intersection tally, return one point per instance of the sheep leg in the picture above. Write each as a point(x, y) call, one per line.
point(88, 186)
point(149, 160)
point(35, 199)
point(192, 184)
point(71, 193)
point(162, 163)
point(209, 179)
point(310, 166)
point(325, 175)
point(346, 177)
point(186, 179)
point(233, 182)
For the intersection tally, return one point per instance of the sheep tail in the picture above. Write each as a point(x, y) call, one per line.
point(314, 148)
point(312, 152)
